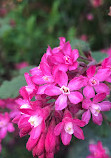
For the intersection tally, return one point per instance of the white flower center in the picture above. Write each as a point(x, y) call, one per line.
point(25, 106)
point(93, 81)
point(35, 120)
point(3, 123)
point(95, 109)
point(65, 90)
point(69, 128)
point(45, 78)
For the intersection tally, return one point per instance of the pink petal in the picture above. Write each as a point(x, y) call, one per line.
point(77, 83)
point(89, 92)
point(86, 103)
point(99, 97)
point(92, 148)
point(105, 106)
point(28, 78)
point(102, 88)
point(57, 58)
point(31, 143)
point(10, 127)
point(61, 102)
point(62, 40)
point(23, 121)
point(52, 90)
point(86, 116)
point(58, 128)
point(65, 137)
point(79, 122)
point(75, 54)
point(3, 133)
point(75, 97)
point(61, 78)
point(74, 66)
point(45, 68)
point(42, 88)
point(67, 49)
point(24, 131)
point(91, 71)
point(78, 133)
point(35, 133)
point(102, 74)
point(36, 71)
point(97, 119)
point(38, 79)
point(108, 79)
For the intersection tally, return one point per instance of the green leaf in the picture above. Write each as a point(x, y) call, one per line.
point(80, 45)
point(30, 24)
point(10, 89)
point(99, 56)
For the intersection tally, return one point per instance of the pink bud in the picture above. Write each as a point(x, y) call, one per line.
point(39, 148)
point(31, 143)
point(50, 140)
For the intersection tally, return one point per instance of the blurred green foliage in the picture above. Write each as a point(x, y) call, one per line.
point(32, 25)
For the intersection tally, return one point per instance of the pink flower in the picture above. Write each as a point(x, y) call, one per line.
point(96, 3)
point(97, 151)
point(94, 82)
point(5, 125)
point(95, 107)
point(69, 126)
point(32, 118)
point(63, 56)
point(90, 17)
point(65, 90)
point(42, 74)
point(84, 37)
point(22, 64)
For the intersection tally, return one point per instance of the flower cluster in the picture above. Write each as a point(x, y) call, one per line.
point(6, 124)
point(60, 96)
point(97, 151)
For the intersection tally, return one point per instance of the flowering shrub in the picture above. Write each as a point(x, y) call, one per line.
point(60, 96)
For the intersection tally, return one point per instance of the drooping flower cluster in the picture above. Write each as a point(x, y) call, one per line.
point(56, 91)
point(97, 151)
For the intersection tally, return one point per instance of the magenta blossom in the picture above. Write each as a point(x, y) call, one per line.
point(95, 107)
point(65, 90)
point(32, 118)
point(94, 82)
point(42, 74)
point(69, 126)
point(97, 151)
point(63, 56)
point(5, 125)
